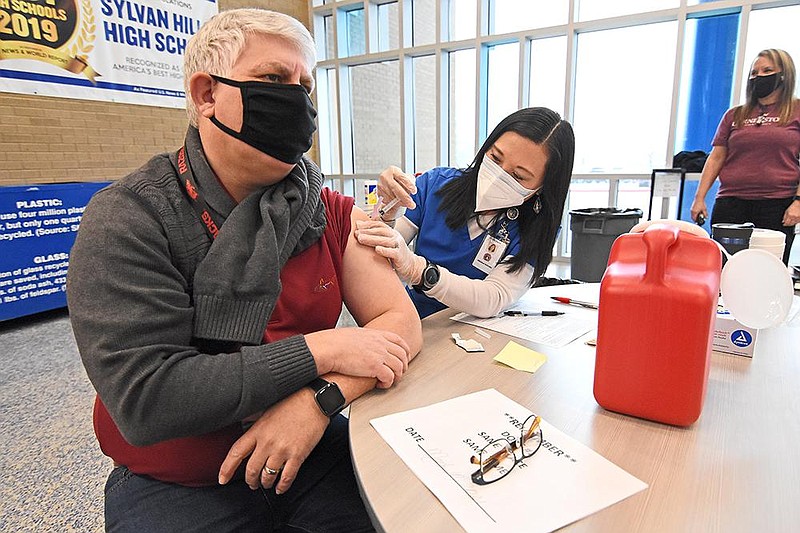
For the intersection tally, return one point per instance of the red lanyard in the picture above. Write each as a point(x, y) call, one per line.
point(198, 202)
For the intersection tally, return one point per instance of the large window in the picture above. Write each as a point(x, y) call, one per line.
point(507, 16)
point(423, 21)
point(420, 83)
point(772, 28)
point(387, 26)
point(375, 94)
point(622, 98)
point(327, 120)
point(502, 83)
point(425, 132)
point(461, 119)
point(462, 20)
point(599, 9)
point(707, 77)
point(330, 37)
point(354, 40)
point(548, 73)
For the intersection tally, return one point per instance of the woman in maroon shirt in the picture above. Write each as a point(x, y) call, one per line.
point(755, 153)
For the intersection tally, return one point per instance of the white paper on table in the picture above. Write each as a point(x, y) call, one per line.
point(563, 482)
point(554, 331)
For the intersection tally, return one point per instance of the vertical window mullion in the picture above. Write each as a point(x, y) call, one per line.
point(524, 72)
point(481, 93)
point(444, 107)
point(346, 117)
point(407, 128)
point(676, 84)
point(738, 80)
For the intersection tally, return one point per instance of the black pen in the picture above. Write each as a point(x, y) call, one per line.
point(533, 313)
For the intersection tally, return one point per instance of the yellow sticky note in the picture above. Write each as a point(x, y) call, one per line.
point(520, 357)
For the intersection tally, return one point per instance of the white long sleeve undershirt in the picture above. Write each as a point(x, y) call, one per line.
point(479, 297)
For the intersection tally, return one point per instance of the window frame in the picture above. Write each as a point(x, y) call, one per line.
point(441, 47)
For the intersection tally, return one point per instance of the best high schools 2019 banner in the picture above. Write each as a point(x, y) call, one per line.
point(112, 50)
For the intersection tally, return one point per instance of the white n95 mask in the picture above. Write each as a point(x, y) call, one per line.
point(497, 189)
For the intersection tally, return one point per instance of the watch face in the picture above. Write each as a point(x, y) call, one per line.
point(431, 276)
point(330, 399)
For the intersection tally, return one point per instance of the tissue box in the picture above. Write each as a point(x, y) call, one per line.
point(731, 337)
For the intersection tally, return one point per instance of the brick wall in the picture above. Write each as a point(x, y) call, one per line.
point(52, 140)
point(55, 140)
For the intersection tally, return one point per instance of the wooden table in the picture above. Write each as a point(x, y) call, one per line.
point(736, 469)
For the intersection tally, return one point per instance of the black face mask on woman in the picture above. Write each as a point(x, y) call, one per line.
point(763, 86)
point(277, 119)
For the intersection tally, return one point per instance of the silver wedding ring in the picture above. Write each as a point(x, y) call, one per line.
point(270, 471)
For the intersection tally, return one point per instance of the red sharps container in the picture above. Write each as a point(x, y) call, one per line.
point(658, 303)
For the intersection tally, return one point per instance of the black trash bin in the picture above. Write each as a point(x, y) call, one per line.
point(594, 230)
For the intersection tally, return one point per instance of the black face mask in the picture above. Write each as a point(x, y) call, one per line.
point(762, 86)
point(277, 119)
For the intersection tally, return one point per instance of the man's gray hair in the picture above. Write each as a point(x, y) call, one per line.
point(220, 41)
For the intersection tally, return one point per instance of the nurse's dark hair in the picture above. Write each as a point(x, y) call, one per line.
point(538, 232)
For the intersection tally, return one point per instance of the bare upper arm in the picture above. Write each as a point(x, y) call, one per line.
point(714, 162)
point(718, 150)
point(718, 154)
point(373, 293)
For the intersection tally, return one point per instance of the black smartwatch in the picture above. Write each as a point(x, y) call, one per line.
point(429, 279)
point(329, 398)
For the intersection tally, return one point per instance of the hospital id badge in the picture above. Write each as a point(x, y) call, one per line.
point(490, 253)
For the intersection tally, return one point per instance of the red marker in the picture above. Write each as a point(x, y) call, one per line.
point(571, 301)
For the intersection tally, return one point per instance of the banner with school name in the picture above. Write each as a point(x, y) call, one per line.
point(111, 50)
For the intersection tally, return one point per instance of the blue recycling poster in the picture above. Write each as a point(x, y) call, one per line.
point(38, 225)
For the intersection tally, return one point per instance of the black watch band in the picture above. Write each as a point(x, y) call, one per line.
point(797, 198)
point(429, 279)
point(328, 396)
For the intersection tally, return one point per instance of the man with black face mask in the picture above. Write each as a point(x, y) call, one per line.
point(204, 290)
point(756, 152)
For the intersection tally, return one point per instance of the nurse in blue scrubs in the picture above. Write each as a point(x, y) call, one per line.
point(484, 233)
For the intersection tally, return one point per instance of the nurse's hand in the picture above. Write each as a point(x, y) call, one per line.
point(391, 245)
point(394, 183)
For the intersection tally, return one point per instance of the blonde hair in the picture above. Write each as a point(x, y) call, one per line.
point(786, 100)
point(219, 42)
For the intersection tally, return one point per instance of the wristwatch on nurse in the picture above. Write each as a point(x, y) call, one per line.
point(429, 279)
point(329, 398)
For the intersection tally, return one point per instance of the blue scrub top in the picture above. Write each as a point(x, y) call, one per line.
point(452, 249)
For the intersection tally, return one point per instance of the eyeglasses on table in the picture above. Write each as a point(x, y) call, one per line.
point(499, 457)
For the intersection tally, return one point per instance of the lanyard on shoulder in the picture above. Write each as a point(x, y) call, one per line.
point(196, 199)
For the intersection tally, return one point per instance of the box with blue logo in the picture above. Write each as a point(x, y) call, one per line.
point(730, 336)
